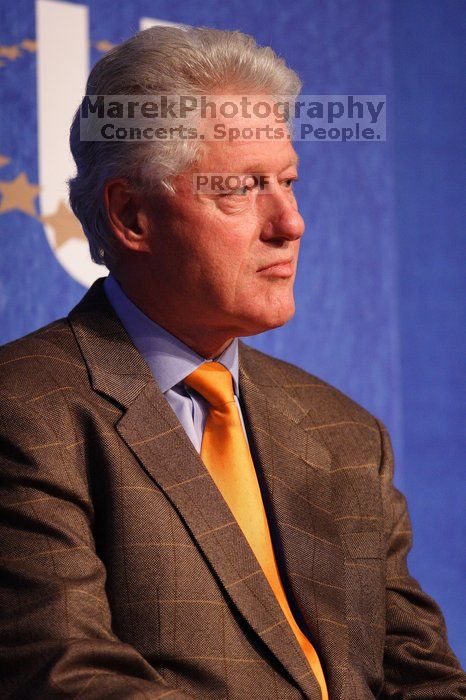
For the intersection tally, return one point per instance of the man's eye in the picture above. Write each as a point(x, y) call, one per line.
point(289, 182)
point(240, 191)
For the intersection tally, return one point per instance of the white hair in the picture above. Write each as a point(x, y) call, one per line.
point(169, 61)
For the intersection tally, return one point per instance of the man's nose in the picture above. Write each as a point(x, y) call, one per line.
point(282, 218)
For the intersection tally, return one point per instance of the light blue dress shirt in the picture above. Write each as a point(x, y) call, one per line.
point(170, 361)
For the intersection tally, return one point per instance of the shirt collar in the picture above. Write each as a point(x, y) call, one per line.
point(169, 359)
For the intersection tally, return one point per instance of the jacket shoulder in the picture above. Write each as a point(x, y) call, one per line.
point(41, 359)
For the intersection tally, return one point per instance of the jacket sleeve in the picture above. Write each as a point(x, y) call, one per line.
point(56, 637)
point(418, 661)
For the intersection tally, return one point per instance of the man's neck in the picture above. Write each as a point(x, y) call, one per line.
point(206, 342)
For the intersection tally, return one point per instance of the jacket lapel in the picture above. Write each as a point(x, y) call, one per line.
point(154, 434)
point(298, 484)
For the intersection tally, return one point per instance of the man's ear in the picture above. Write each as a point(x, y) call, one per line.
point(127, 216)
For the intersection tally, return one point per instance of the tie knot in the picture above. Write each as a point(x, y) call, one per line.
point(214, 382)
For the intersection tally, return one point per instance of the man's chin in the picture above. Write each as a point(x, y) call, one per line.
point(274, 318)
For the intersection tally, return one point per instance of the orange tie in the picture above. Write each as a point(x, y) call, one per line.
point(226, 454)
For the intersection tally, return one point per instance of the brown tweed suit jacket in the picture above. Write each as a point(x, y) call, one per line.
point(124, 574)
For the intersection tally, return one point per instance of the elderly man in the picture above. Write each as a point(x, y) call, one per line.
point(184, 516)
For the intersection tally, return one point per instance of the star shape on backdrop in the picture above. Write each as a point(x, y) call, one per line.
point(11, 52)
point(18, 194)
point(64, 224)
point(29, 44)
point(103, 45)
point(16, 50)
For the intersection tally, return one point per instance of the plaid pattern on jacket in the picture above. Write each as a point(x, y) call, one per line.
point(125, 576)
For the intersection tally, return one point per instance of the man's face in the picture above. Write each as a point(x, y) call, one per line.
point(210, 253)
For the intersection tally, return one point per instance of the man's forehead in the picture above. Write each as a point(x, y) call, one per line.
point(258, 165)
point(252, 157)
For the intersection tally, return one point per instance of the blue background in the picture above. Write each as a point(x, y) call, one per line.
point(381, 287)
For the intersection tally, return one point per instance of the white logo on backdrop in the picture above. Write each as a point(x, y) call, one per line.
point(63, 44)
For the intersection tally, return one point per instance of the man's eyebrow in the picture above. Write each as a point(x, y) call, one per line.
point(258, 167)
